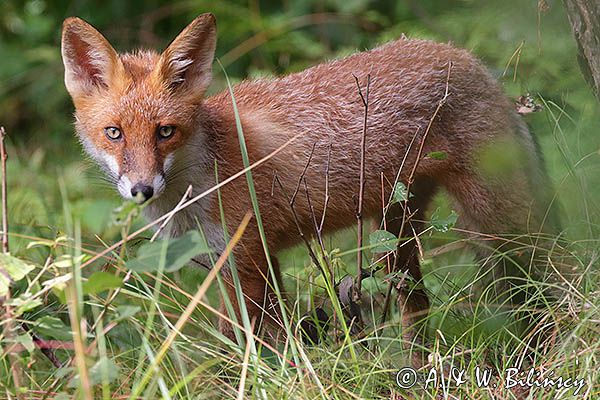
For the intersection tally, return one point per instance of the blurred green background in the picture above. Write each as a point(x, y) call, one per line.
point(528, 45)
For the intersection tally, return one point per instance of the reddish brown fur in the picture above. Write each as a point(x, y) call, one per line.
point(408, 80)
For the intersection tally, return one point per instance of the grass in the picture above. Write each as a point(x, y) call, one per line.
point(154, 335)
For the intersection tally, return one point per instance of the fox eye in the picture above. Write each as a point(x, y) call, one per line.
point(166, 131)
point(112, 133)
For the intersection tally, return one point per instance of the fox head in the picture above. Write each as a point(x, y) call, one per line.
point(133, 111)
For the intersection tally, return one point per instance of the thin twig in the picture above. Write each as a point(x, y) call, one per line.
point(186, 196)
point(384, 221)
point(3, 155)
point(8, 327)
point(312, 254)
point(318, 228)
point(412, 175)
point(314, 221)
point(312, 151)
point(317, 231)
point(49, 353)
point(191, 201)
point(361, 190)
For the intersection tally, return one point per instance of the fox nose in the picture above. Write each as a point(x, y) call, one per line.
point(145, 190)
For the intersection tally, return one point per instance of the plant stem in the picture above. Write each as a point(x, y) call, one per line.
point(361, 190)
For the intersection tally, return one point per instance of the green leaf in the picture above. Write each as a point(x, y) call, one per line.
point(101, 281)
point(179, 252)
point(443, 224)
point(104, 368)
point(26, 340)
point(126, 311)
point(53, 327)
point(382, 241)
point(400, 193)
point(12, 269)
point(48, 243)
point(437, 155)
point(124, 214)
point(67, 260)
point(25, 302)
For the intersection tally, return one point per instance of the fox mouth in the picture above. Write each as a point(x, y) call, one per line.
point(141, 191)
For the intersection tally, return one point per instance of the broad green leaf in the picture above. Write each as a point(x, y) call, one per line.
point(443, 224)
point(24, 303)
point(12, 269)
point(4, 285)
point(400, 193)
point(437, 155)
point(53, 327)
point(26, 340)
point(179, 252)
point(104, 368)
point(101, 281)
point(382, 241)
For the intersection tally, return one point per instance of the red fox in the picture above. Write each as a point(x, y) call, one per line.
point(143, 117)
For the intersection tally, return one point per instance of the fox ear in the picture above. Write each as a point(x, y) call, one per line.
point(186, 64)
point(90, 61)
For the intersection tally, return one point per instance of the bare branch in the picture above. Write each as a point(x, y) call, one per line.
point(318, 232)
point(184, 198)
point(405, 212)
point(8, 316)
point(312, 151)
point(361, 190)
point(312, 254)
point(3, 157)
